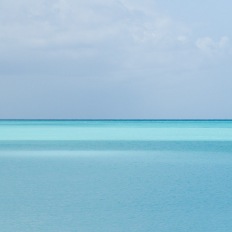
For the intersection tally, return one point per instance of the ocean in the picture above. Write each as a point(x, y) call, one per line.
point(115, 175)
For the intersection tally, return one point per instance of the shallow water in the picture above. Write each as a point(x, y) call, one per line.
point(116, 185)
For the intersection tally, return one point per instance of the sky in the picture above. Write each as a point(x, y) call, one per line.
point(115, 59)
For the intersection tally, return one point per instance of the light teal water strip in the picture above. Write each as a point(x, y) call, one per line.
point(63, 130)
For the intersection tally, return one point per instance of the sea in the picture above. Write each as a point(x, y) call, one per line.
point(115, 176)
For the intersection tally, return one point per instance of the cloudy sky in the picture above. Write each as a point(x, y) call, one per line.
point(115, 59)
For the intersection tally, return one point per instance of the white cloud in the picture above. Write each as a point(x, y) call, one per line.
point(182, 38)
point(210, 46)
point(206, 44)
point(125, 34)
point(67, 22)
point(224, 42)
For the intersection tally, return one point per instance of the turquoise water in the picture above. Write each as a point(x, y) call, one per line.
point(97, 176)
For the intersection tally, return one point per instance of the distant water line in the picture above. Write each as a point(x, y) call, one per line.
point(116, 135)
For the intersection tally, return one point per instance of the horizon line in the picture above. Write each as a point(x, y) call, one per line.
point(76, 119)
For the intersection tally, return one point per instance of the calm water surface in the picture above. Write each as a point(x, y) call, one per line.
point(131, 176)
